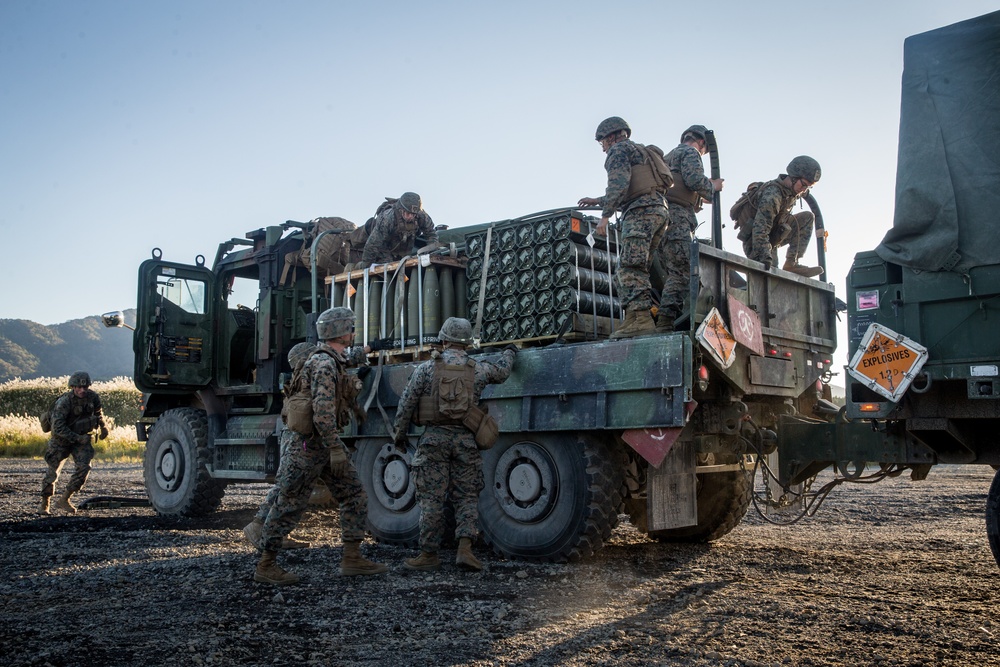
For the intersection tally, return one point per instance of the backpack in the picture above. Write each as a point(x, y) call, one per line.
point(745, 208)
point(46, 417)
point(333, 251)
point(297, 409)
point(657, 179)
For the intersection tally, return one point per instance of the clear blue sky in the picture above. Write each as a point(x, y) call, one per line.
point(133, 125)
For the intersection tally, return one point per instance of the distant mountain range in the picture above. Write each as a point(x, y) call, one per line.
point(29, 350)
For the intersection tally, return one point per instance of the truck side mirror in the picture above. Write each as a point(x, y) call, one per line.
point(115, 319)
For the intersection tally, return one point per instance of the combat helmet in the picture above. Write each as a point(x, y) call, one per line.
point(334, 323)
point(804, 166)
point(79, 379)
point(456, 330)
point(299, 352)
point(699, 131)
point(612, 125)
point(410, 202)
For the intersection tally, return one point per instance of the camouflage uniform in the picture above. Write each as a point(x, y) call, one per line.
point(306, 459)
point(73, 420)
point(447, 463)
point(642, 217)
point(775, 222)
point(675, 244)
point(392, 238)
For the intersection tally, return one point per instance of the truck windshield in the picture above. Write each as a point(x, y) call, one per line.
point(189, 295)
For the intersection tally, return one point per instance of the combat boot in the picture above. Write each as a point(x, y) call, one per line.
point(63, 503)
point(638, 322)
point(806, 271)
point(629, 319)
point(664, 323)
point(427, 560)
point(269, 572)
point(465, 557)
point(353, 563)
point(290, 542)
point(44, 508)
point(253, 532)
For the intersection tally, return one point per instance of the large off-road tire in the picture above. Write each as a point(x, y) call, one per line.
point(174, 469)
point(723, 499)
point(549, 497)
point(993, 517)
point(393, 512)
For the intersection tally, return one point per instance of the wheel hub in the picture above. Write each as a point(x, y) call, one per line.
point(169, 465)
point(391, 479)
point(524, 482)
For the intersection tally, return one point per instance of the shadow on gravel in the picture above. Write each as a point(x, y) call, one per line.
point(220, 520)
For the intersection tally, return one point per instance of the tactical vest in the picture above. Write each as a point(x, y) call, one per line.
point(679, 192)
point(651, 176)
point(405, 234)
point(452, 394)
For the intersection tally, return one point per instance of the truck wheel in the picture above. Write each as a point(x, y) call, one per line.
point(177, 480)
point(549, 497)
point(723, 499)
point(393, 513)
point(993, 517)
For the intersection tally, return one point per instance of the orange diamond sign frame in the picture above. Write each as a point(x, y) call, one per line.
point(714, 336)
point(886, 361)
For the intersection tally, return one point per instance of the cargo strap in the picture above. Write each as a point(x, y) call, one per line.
point(477, 329)
point(373, 395)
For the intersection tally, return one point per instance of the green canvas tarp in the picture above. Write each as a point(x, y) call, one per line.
point(947, 213)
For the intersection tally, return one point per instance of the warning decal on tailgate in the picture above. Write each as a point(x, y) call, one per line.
point(714, 336)
point(886, 362)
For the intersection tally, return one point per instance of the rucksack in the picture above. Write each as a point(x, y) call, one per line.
point(745, 208)
point(297, 409)
point(46, 417)
point(661, 172)
point(333, 250)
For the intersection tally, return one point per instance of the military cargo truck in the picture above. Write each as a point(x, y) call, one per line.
point(590, 427)
point(668, 429)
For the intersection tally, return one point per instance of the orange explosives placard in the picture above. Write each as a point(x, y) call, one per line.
point(715, 337)
point(887, 361)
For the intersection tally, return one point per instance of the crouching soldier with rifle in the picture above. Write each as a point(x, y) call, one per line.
point(445, 394)
point(74, 418)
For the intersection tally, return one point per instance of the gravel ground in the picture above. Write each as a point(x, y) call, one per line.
point(897, 573)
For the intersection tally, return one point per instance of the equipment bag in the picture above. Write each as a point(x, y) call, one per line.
point(745, 208)
point(333, 250)
point(46, 417)
point(484, 426)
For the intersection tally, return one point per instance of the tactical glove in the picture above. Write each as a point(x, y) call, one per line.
point(513, 348)
point(104, 433)
point(401, 441)
point(339, 462)
point(430, 247)
point(380, 344)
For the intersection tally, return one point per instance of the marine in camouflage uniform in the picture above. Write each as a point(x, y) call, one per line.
point(76, 416)
point(395, 230)
point(774, 225)
point(691, 187)
point(643, 214)
point(447, 463)
point(321, 455)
